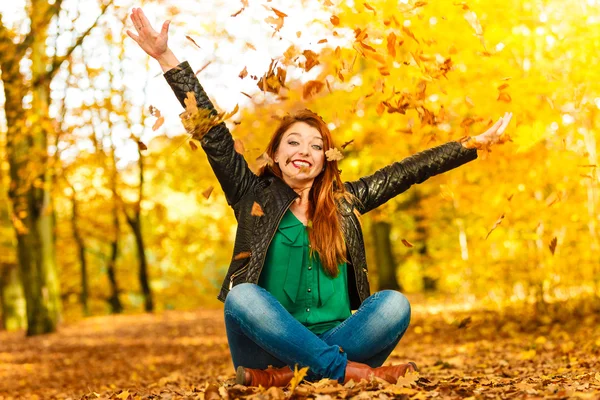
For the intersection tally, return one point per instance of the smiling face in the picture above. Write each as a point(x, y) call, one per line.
point(300, 154)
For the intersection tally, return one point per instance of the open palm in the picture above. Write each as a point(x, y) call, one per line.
point(151, 41)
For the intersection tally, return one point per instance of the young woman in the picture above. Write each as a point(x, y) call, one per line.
point(298, 265)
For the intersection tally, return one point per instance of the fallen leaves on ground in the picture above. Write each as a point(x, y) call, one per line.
point(184, 355)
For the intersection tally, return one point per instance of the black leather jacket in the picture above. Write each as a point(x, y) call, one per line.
point(242, 188)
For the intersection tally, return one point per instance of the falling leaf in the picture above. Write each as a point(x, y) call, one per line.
point(503, 86)
point(242, 255)
point(495, 225)
point(298, 377)
point(244, 73)
point(334, 154)
point(380, 108)
point(369, 7)
point(407, 243)
point(552, 246)
point(311, 88)
point(409, 33)
point(142, 146)
point(505, 97)
point(335, 20)
point(238, 13)
point(311, 59)
point(346, 144)
point(202, 68)
point(322, 41)
point(250, 45)
point(256, 210)
point(158, 123)
point(193, 41)
point(191, 105)
point(391, 44)
point(238, 145)
point(193, 145)
point(206, 193)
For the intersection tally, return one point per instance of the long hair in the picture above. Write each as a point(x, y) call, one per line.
point(325, 235)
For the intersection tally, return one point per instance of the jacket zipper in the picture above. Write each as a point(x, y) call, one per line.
point(236, 274)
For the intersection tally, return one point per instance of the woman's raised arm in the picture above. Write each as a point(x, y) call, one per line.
point(230, 167)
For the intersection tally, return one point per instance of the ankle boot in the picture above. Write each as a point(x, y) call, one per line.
point(356, 371)
point(278, 377)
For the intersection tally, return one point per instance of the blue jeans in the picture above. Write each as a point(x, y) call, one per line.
point(261, 332)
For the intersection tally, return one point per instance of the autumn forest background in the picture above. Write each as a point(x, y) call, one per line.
point(108, 207)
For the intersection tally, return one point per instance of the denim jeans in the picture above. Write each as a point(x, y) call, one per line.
point(261, 332)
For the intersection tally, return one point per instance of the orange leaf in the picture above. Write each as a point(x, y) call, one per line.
point(193, 145)
point(311, 59)
point(242, 255)
point(237, 13)
point(206, 193)
point(238, 145)
point(503, 86)
point(407, 243)
point(391, 44)
point(505, 97)
point(141, 145)
point(409, 33)
point(335, 20)
point(257, 211)
point(322, 41)
point(370, 8)
point(244, 73)
point(552, 246)
point(158, 123)
point(380, 109)
point(192, 40)
point(311, 88)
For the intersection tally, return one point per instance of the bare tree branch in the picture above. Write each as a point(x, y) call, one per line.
point(57, 61)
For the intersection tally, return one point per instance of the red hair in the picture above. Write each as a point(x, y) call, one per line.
point(325, 235)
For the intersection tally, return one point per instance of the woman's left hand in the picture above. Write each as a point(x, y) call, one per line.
point(494, 135)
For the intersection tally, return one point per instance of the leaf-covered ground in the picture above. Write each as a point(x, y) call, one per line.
point(184, 355)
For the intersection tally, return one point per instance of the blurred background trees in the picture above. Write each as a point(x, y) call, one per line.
point(102, 211)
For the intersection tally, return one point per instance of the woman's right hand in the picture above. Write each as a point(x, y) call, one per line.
point(152, 42)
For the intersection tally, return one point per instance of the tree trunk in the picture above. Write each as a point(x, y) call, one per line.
point(421, 235)
point(83, 298)
point(136, 227)
point(384, 256)
point(12, 301)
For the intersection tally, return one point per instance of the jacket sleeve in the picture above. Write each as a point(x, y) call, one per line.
point(388, 182)
point(230, 167)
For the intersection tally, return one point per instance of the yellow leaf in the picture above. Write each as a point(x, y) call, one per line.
point(158, 123)
point(123, 395)
point(298, 377)
point(528, 355)
point(410, 378)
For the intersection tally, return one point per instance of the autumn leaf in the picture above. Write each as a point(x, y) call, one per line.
point(158, 123)
point(256, 210)
point(409, 379)
point(334, 154)
point(407, 243)
point(142, 146)
point(238, 13)
point(346, 144)
point(191, 105)
point(242, 255)
point(505, 97)
point(238, 145)
point(552, 246)
point(193, 145)
point(311, 88)
point(311, 59)
point(322, 41)
point(124, 395)
point(299, 375)
point(250, 46)
point(409, 34)
point(206, 193)
point(369, 7)
point(244, 73)
point(391, 44)
point(264, 160)
point(193, 41)
point(464, 322)
point(495, 225)
point(335, 20)
point(503, 86)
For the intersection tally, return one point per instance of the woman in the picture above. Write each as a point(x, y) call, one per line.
point(298, 266)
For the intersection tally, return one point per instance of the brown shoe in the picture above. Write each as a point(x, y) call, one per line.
point(356, 371)
point(278, 377)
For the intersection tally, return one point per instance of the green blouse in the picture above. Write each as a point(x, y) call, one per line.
point(301, 285)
